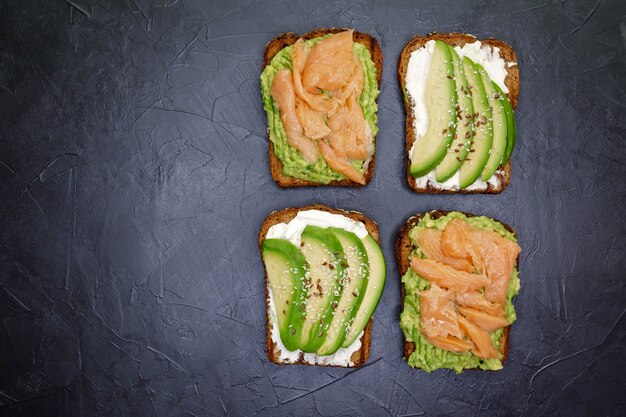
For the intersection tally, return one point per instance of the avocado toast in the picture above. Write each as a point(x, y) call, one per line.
point(474, 296)
point(460, 125)
point(323, 145)
point(324, 274)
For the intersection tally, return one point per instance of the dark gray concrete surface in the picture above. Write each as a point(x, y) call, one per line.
point(134, 179)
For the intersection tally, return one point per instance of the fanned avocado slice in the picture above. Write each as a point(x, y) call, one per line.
point(510, 123)
point(327, 262)
point(458, 150)
point(483, 127)
point(286, 271)
point(441, 100)
point(354, 284)
point(498, 123)
point(373, 291)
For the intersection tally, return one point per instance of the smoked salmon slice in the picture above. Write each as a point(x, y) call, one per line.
point(348, 127)
point(499, 266)
point(283, 93)
point(311, 120)
point(450, 343)
point(487, 250)
point(319, 102)
point(355, 85)
point(429, 241)
point(484, 347)
point(340, 164)
point(457, 241)
point(330, 64)
point(485, 321)
point(478, 301)
point(438, 314)
point(446, 276)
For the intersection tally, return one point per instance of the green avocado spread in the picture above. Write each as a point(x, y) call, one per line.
point(294, 164)
point(427, 356)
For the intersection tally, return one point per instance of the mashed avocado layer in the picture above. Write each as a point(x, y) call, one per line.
point(294, 164)
point(427, 356)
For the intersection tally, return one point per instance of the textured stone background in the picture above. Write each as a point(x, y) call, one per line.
point(134, 178)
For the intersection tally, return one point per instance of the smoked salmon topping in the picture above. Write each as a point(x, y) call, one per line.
point(469, 270)
point(446, 276)
point(429, 241)
point(319, 104)
point(283, 93)
point(484, 320)
point(484, 347)
point(488, 252)
point(478, 301)
point(438, 313)
point(450, 343)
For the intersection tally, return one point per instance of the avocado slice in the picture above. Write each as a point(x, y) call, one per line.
point(499, 123)
point(286, 269)
point(510, 123)
point(327, 262)
point(354, 286)
point(441, 100)
point(465, 126)
point(483, 127)
point(375, 286)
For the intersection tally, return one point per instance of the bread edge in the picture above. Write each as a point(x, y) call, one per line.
point(289, 38)
point(404, 247)
point(511, 81)
point(359, 357)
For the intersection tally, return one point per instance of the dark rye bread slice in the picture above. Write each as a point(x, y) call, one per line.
point(511, 81)
point(289, 38)
point(284, 216)
point(403, 250)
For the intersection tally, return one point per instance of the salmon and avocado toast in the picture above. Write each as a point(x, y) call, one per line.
point(459, 278)
point(320, 94)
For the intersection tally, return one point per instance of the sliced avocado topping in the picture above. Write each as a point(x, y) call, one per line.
point(326, 290)
point(375, 286)
point(327, 262)
point(510, 123)
point(499, 124)
point(483, 126)
point(354, 286)
point(458, 150)
point(286, 271)
point(441, 98)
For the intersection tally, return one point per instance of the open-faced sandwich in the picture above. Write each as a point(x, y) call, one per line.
point(459, 277)
point(319, 91)
point(460, 95)
point(324, 274)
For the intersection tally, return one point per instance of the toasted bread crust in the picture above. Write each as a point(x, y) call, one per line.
point(289, 38)
point(283, 216)
point(403, 249)
point(511, 81)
